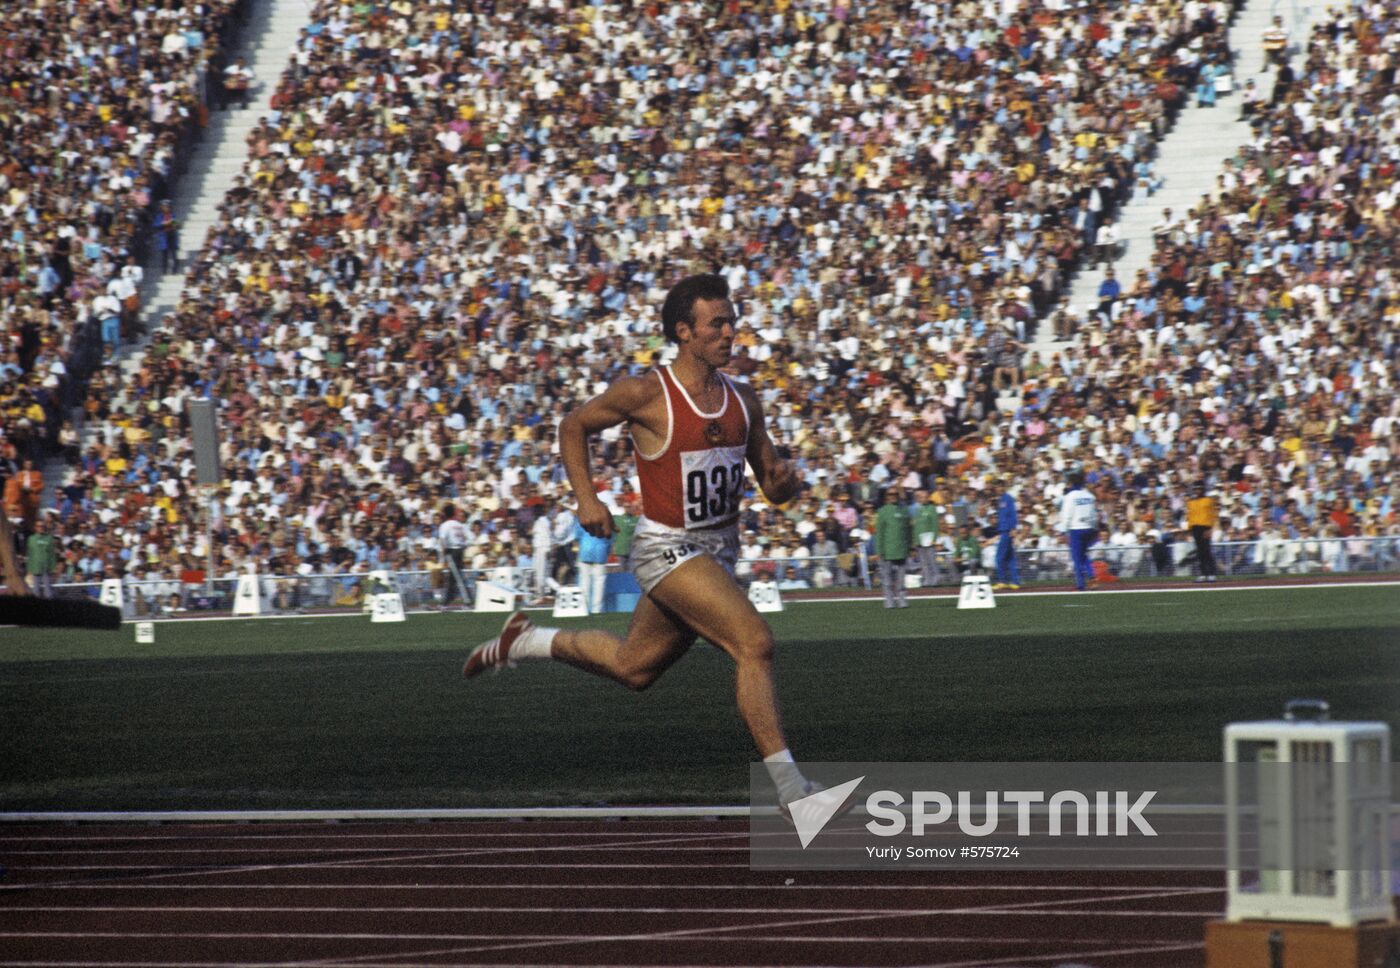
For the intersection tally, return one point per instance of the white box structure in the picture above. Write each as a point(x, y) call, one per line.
point(976, 592)
point(491, 597)
point(246, 597)
point(1308, 821)
point(113, 593)
point(569, 603)
point(765, 596)
point(383, 600)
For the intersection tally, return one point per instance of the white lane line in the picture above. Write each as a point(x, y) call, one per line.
point(687, 935)
point(443, 851)
point(167, 909)
point(497, 834)
point(293, 964)
point(555, 939)
point(1070, 955)
point(368, 863)
point(584, 885)
point(374, 862)
point(709, 934)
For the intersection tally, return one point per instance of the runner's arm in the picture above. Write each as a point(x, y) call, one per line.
point(617, 404)
point(776, 476)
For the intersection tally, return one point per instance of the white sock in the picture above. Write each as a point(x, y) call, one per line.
point(534, 644)
point(782, 769)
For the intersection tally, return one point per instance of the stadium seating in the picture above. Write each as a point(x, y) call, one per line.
point(1259, 350)
point(98, 103)
point(437, 248)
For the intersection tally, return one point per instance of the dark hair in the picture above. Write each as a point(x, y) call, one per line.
point(1076, 479)
point(679, 306)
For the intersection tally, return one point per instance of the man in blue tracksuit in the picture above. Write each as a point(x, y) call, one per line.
point(1079, 520)
point(1008, 573)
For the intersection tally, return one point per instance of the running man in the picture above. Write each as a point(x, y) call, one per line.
point(692, 429)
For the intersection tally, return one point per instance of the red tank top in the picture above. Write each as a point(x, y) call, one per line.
point(696, 478)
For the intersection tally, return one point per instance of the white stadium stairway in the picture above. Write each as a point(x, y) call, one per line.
point(1192, 155)
point(268, 39)
point(266, 42)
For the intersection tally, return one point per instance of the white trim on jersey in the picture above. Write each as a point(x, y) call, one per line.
point(670, 425)
point(696, 410)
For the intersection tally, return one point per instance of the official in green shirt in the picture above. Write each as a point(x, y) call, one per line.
point(624, 527)
point(968, 552)
point(893, 537)
point(40, 559)
point(926, 523)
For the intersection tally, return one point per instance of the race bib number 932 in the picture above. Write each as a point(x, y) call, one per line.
point(713, 481)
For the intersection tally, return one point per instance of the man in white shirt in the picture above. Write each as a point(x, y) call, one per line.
point(238, 81)
point(1079, 519)
point(452, 543)
point(749, 552)
point(1130, 555)
point(1106, 243)
point(133, 273)
point(540, 534)
point(107, 308)
point(123, 290)
point(1275, 43)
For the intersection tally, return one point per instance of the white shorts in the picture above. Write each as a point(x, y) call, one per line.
point(658, 550)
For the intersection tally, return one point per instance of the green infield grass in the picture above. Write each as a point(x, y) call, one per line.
point(330, 713)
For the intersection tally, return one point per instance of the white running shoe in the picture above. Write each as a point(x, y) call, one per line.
point(811, 788)
point(495, 653)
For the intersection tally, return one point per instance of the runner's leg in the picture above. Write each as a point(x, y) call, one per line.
point(700, 596)
point(655, 640)
point(706, 598)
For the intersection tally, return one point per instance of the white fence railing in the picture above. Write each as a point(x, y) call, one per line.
point(429, 589)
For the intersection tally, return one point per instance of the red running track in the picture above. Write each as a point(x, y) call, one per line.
point(544, 893)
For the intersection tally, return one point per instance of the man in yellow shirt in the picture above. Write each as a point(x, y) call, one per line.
point(1202, 513)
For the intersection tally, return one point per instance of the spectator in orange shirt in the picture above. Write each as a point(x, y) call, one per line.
point(1341, 517)
point(1202, 513)
point(23, 493)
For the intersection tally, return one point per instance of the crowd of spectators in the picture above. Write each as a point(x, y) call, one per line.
point(94, 98)
point(1258, 352)
point(457, 222)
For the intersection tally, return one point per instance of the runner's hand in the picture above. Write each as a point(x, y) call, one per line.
point(783, 483)
point(595, 517)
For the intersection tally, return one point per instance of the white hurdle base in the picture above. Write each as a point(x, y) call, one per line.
point(386, 607)
point(765, 596)
point(976, 593)
point(246, 598)
point(569, 603)
point(491, 597)
point(112, 593)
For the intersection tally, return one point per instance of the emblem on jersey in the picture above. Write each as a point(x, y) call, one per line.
point(713, 431)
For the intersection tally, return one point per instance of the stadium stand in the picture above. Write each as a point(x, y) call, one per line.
point(1259, 349)
point(97, 106)
point(439, 245)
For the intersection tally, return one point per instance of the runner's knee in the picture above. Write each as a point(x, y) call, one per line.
point(638, 679)
point(755, 645)
point(635, 673)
